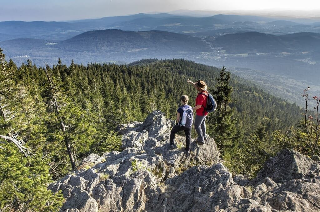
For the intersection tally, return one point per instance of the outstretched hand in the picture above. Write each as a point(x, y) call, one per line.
point(193, 83)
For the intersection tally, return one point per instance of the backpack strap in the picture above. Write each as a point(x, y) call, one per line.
point(203, 93)
point(206, 94)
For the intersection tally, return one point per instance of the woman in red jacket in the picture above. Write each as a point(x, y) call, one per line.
point(201, 103)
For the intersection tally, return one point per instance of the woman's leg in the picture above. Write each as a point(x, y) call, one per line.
point(204, 129)
point(199, 127)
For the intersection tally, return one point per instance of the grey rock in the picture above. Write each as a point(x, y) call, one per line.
point(288, 165)
point(150, 176)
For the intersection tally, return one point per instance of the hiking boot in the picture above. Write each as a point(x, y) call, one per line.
point(173, 146)
point(187, 152)
point(205, 137)
point(200, 142)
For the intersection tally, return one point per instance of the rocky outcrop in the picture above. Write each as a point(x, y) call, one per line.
point(148, 176)
point(289, 182)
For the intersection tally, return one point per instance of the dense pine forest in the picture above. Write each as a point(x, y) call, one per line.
point(53, 117)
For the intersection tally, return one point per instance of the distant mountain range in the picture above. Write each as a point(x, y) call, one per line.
point(255, 42)
point(105, 46)
point(197, 26)
point(105, 41)
point(276, 48)
point(282, 54)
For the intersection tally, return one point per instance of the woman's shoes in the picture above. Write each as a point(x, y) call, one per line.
point(173, 146)
point(200, 142)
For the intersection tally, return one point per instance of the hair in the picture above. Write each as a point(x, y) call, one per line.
point(185, 99)
point(202, 85)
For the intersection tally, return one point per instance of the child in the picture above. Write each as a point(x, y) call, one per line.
point(184, 122)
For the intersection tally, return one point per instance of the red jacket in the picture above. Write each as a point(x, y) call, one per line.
point(202, 100)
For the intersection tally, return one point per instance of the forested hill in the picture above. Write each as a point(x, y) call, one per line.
point(96, 98)
point(64, 113)
point(252, 105)
point(114, 40)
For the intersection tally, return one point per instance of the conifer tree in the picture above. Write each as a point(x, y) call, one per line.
point(225, 131)
point(24, 174)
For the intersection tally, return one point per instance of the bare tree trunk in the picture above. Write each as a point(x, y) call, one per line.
point(71, 156)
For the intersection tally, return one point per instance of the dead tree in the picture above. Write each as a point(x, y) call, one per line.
point(18, 143)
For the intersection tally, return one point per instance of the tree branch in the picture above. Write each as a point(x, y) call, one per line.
point(22, 149)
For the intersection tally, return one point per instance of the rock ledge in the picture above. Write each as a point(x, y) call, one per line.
point(148, 176)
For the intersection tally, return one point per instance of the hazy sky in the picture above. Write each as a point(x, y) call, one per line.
point(57, 10)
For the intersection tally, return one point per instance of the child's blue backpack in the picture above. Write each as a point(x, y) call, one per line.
point(187, 116)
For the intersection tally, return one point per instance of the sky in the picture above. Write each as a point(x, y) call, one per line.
point(64, 10)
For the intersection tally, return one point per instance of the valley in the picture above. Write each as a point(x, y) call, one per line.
point(280, 55)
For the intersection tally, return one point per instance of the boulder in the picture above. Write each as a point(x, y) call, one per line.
point(288, 165)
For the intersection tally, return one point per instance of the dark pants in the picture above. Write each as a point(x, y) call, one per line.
point(200, 126)
point(187, 132)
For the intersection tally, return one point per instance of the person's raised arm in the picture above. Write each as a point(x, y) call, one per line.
point(193, 83)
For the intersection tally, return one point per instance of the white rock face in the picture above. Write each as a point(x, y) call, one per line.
point(149, 176)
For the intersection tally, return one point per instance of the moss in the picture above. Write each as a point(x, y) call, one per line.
point(158, 171)
point(104, 176)
point(134, 166)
